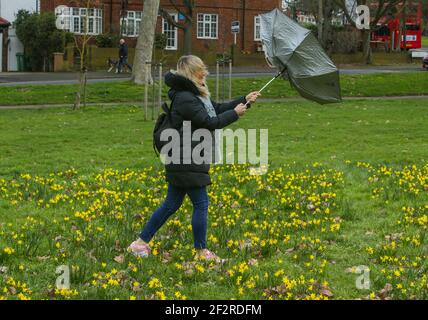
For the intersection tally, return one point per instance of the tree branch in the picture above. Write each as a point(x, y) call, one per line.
point(176, 7)
point(341, 4)
point(382, 10)
point(190, 4)
point(165, 14)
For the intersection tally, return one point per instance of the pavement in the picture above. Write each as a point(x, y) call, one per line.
point(52, 78)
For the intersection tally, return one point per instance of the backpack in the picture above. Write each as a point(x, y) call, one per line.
point(163, 122)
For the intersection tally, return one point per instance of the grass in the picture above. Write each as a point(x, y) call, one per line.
point(391, 84)
point(91, 139)
point(424, 42)
point(76, 187)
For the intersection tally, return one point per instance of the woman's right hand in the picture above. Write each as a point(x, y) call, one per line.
point(240, 109)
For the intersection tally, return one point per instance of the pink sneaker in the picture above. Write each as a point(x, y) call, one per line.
point(139, 249)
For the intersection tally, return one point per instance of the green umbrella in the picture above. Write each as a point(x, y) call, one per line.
point(294, 50)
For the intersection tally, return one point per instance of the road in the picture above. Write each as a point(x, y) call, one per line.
point(41, 78)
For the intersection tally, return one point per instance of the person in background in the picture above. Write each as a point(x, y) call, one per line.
point(123, 56)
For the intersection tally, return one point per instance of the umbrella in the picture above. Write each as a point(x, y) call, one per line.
point(295, 51)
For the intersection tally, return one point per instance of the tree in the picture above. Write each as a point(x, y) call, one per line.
point(40, 37)
point(425, 15)
point(145, 41)
point(81, 43)
point(186, 25)
point(381, 8)
point(323, 12)
point(291, 7)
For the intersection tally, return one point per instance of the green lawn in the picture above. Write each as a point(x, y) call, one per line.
point(76, 188)
point(391, 84)
point(425, 42)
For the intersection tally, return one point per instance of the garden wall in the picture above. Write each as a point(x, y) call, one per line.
point(98, 57)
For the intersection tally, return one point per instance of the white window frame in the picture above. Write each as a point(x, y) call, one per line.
point(257, 25)
point(131, 16)
point(78, 15)
point(174, 29)
point(205, 23)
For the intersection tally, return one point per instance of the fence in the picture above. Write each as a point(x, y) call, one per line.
point(153, 85)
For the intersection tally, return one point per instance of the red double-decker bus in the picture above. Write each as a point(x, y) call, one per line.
point(390, 29)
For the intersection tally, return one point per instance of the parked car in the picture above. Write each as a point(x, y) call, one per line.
point(425, 63)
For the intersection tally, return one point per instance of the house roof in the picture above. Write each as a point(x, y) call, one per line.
point(4, 22)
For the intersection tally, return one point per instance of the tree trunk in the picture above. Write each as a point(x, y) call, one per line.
point(145, 41)
point(327, 28)
point(85, 78)
point(403, 26)
point(81, 91)
point(327, 37)
point(367, 50)
point(320, 22)
point(188, 38)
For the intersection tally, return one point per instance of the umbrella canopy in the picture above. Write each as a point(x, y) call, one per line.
point(289, 46)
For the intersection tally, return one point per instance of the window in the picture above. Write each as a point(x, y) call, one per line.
point(413, 27)
point(80, 20)
point(130, 23)
point(382, 31)
point(207, 26)
point(257, 28)
point(171, 33)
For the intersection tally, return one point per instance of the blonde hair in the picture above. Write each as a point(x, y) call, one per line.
point(188, 66)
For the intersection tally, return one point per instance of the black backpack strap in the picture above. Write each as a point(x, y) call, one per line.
point(165, 108)
point(167, 111)
point(154, 148)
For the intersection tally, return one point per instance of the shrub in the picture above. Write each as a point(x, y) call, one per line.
point(345, 42)
point(40, 37)
point(107, 40)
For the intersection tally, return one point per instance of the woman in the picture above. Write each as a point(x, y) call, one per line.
point(190, 102)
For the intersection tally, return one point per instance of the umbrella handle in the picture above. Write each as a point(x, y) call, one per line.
point(248, 105)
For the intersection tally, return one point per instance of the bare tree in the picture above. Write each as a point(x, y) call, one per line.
point(81, 42)
point(292, 7)
point(145, 41)
point(320, 20)
point(382, 7)
point(403, 31)
point(323, 12)
point(186, 25)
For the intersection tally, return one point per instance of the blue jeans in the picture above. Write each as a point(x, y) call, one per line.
point(174, 199)
point(123, 61)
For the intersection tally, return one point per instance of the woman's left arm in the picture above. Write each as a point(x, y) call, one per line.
point(222, 107)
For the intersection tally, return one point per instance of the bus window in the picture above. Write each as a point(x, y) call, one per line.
point(382, 31)
point(412, 27)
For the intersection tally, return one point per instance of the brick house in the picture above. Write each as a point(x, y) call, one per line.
point(4, 26)
point(212, 21)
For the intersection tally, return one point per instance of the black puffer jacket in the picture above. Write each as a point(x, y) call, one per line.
point(187, 106)
point(123, 50)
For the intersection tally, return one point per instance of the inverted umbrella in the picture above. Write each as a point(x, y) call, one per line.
point(294, 50)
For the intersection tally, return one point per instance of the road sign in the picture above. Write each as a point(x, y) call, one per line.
point(235, 26)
